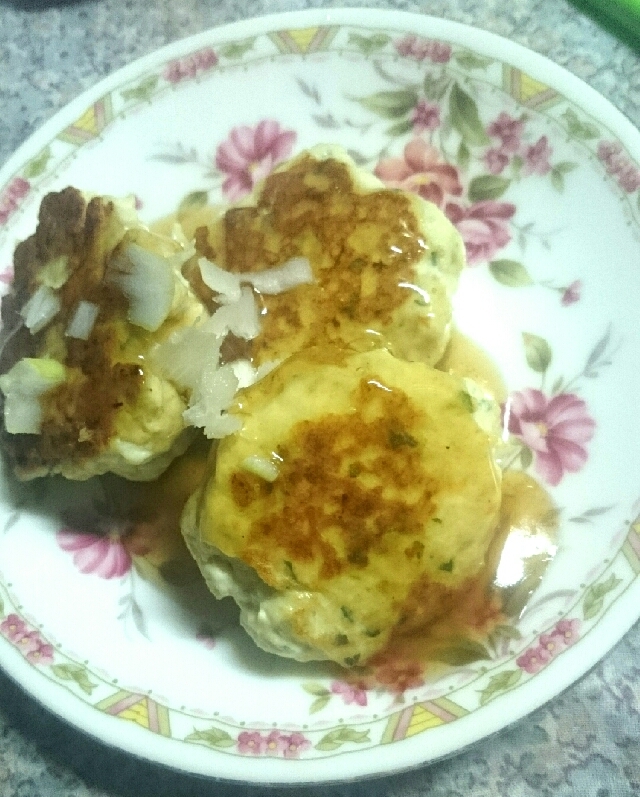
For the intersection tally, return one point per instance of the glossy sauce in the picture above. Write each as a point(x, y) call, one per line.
point(452, 627)
point(439, 623)
point(463, 357)
point(381, 261)
point(525, 540)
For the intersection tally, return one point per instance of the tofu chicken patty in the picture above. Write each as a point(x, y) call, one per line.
point(385, 262)
point(93, 291)
point(355, 478)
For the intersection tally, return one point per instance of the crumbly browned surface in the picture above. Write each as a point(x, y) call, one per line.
point(78, 415)
point(384, 481)
point(362, 246)
point(332, 470)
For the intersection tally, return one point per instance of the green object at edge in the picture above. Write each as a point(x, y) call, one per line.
point(621, 17)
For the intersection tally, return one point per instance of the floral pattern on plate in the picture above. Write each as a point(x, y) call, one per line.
point(480, 137)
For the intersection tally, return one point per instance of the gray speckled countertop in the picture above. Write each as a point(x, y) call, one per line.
point(586, 741)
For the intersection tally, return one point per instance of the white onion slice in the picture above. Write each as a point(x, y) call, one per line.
point(186, 353)
point(147, 280)
point(262, 467)
point(247, 375)
point(211, 397)
point(22, 386)
point(224, 283)
point(83, 320)
point(191, 357)
point(40, 309)
point(186, 252)
point(22, 414)
point(221, 426)
point(240, 318)
point(294, 272)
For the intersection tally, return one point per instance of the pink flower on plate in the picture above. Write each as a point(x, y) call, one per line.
point(551, 644)
point(12, 196)
point(13, 628)
point(536, 157)
point(496, 160)
point(611, 154)
point(29, 642)
point(629, 178)
point(533, 659)
point(484, 227)
point(566, 632)
point(571, 293)
point(205, 59)
point(509, 131)
point(295, 744)
point(350, 693)
point(275, 744)
point(420, 170)
point(555, 429)
point(619, 165)
point(251, 743)
point(188, 67)
point(425, 116)
point(412, 46)
point(250, 153)
point(41, 652)
point(104, 556)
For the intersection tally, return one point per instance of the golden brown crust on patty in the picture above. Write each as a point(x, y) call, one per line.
point(336, 509)
point(79, 414)
point(368, 247)
point(384, 479)
point(113, 410)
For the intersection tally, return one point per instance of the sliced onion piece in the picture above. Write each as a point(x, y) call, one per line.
point(247, 375)
point(147, 280)
point(22, 386)
point(211, 397)
point(294, 272)
point(40, 309)
point(224, 283)
point(240, 318)
point(186, 353)
point(222, 426)
point(83, 320)
point(262, 467)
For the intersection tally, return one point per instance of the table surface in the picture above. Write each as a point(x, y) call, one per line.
point(586, 741)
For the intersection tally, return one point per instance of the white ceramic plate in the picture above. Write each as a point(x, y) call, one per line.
point(543, 183)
